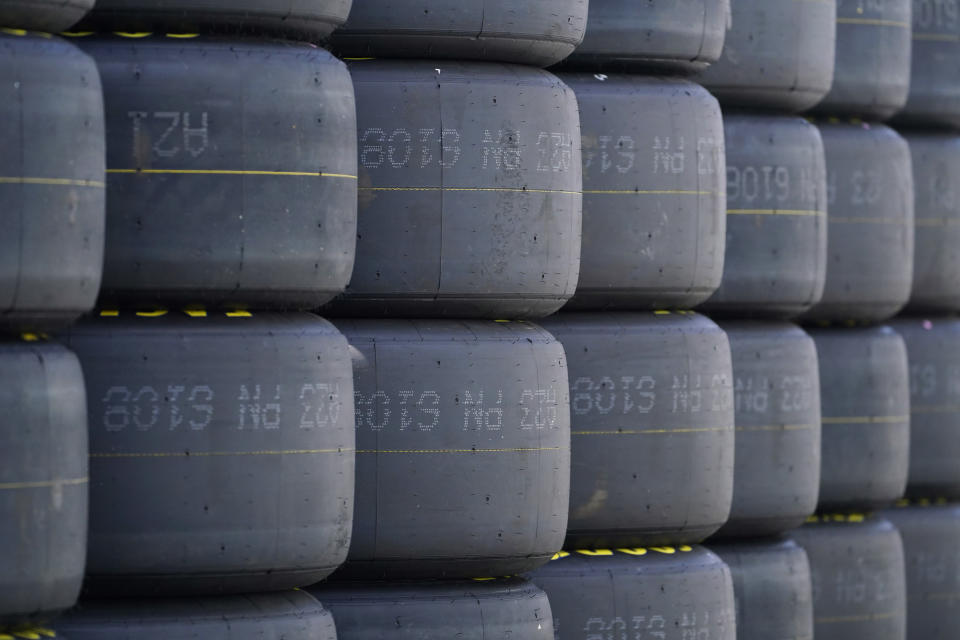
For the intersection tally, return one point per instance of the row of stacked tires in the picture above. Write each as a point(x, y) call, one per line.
point(238, 446)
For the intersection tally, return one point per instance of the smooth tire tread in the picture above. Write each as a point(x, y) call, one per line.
point(223, 451)
point(653, 233)
point(651, 399)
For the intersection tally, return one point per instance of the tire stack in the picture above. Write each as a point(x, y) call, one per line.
point(778, 60)
point(650, 381)
point(220, 412)
point(928, 518)
point(469, 227)
point(856, 557)
point(51, 255)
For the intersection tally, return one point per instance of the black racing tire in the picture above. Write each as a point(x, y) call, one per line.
point(300, 19)
point(534, 32)
point(776, 255)
point(434, 610)
point(51, 181)
point(930, 530)
point(773, 589)
point(221, 448)
point(466, 415)
point(858, 574)
point(292, 615)
point(470, 201)
point(43, 480)
point(872, 68)
point(933, 351)
point(669, 593)
point(776, 385)
point(673, 36)
point(865, 406)
point(870, 236)
point(778, 54)
point(51, 16)
point(936, 256)
point(224, 192)
point(934, 99)
point(653, 233)
point(651, 399)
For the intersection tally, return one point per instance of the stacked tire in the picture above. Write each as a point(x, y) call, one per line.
point(469, 231)
point(220, 411)
point(52, 179)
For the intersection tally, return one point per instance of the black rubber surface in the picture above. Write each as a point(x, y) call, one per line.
point(778, 54)
point(653, 232)
point(467, 610)
point(865, 403)
point(222, 451)
point(870, 235)
point(657, 34)
point(470, 200)
point(291, 615)
point(463, 448)
point(777, 411)
point(859, 584)
point(872, 68)
point(930, 530)
point(299, 19)
point(652, 409)
point(43, 480)
point(232, 172)
point(669, 593)
point(42, 15)
point(535, 32)
point(933, 350)
point(774, 593)
point(776, 216)
point(936, 257)
point(51, 181)
point(934, 99)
